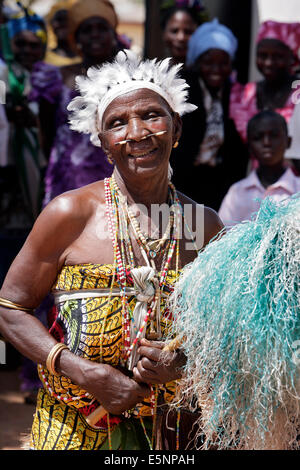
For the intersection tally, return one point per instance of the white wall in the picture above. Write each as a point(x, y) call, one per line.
point(279, 10)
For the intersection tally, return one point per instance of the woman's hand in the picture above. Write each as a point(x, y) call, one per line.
point(157, 366)
point(112, 388)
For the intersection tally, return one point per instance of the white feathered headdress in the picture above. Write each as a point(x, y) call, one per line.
point(127, 73)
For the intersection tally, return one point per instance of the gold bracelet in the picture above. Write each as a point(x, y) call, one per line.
point(8, 304)
point(52, 357)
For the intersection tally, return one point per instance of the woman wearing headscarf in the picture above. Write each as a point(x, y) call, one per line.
point(24, 43)
point(211, 155)
point(73, 161)
point(277, 57)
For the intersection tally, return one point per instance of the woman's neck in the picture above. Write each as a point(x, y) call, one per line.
point(274, 94)
point(146, 191)
point(281, 81)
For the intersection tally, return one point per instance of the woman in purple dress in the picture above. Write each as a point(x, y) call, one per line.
point(73, 160)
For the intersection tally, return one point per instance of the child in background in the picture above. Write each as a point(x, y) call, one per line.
point(268, 141)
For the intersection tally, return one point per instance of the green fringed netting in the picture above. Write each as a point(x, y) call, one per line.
point(238, 308)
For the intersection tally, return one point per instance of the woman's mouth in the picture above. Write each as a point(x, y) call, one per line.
point(142, 154)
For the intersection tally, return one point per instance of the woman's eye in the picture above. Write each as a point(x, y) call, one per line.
point(151, 115)
point(116, 124)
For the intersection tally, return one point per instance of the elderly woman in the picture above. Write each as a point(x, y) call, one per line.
point(211, 156)
point(110, 279)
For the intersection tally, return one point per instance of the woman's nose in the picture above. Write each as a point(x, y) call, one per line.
point(266, 140)
point(136, 129)
point(181, 36)
point(268, 61)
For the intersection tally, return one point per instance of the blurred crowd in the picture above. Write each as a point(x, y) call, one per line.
point(240, 145)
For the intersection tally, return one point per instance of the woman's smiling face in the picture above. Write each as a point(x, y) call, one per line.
point(214, 66)
point(273, 59)
point(132, 117)
point(178, 31)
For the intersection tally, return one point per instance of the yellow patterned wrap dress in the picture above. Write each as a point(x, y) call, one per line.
point(92, 329)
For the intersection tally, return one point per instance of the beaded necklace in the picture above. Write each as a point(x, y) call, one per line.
point(120, 220)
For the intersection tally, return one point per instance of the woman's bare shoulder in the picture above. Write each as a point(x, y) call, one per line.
point(68, 214)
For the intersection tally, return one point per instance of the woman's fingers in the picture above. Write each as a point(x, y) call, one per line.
point(154, 344)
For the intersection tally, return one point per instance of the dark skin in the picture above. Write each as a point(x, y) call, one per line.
point(28, 49)
point(67, 233)
point(59, 25)
point(214, 67)
point(268, 142)
point(177, 33)
point(96, 42)
point(274, 60)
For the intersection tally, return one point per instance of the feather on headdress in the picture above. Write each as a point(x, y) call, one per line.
point(238, 309)
point(127, 73)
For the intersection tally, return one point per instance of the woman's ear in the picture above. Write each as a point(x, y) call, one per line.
point(177, 127)
point(105, 148)
point(103, 140)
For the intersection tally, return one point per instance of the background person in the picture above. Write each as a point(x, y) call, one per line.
point(179, 20)
point(268, 141)
point(211, 155)
point(22, 164)
point(74, 161)
point(277, 59)
point(62, 53)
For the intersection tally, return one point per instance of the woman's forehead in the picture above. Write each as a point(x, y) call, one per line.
point(272, 44)
point(134, 99)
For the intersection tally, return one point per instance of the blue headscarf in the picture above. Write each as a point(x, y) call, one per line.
point(211, 35)
point(26, 20)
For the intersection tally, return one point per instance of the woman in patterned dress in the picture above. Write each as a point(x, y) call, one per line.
point(110, 280)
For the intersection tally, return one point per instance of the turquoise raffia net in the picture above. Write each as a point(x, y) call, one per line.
point(238, 309)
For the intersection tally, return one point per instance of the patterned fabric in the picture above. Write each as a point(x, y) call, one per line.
point(27, 20)
point(60, 427)
point(92, 329)
point(214, 134)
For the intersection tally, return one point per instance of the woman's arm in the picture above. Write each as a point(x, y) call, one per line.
point(32, 275)
point(28, 281)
